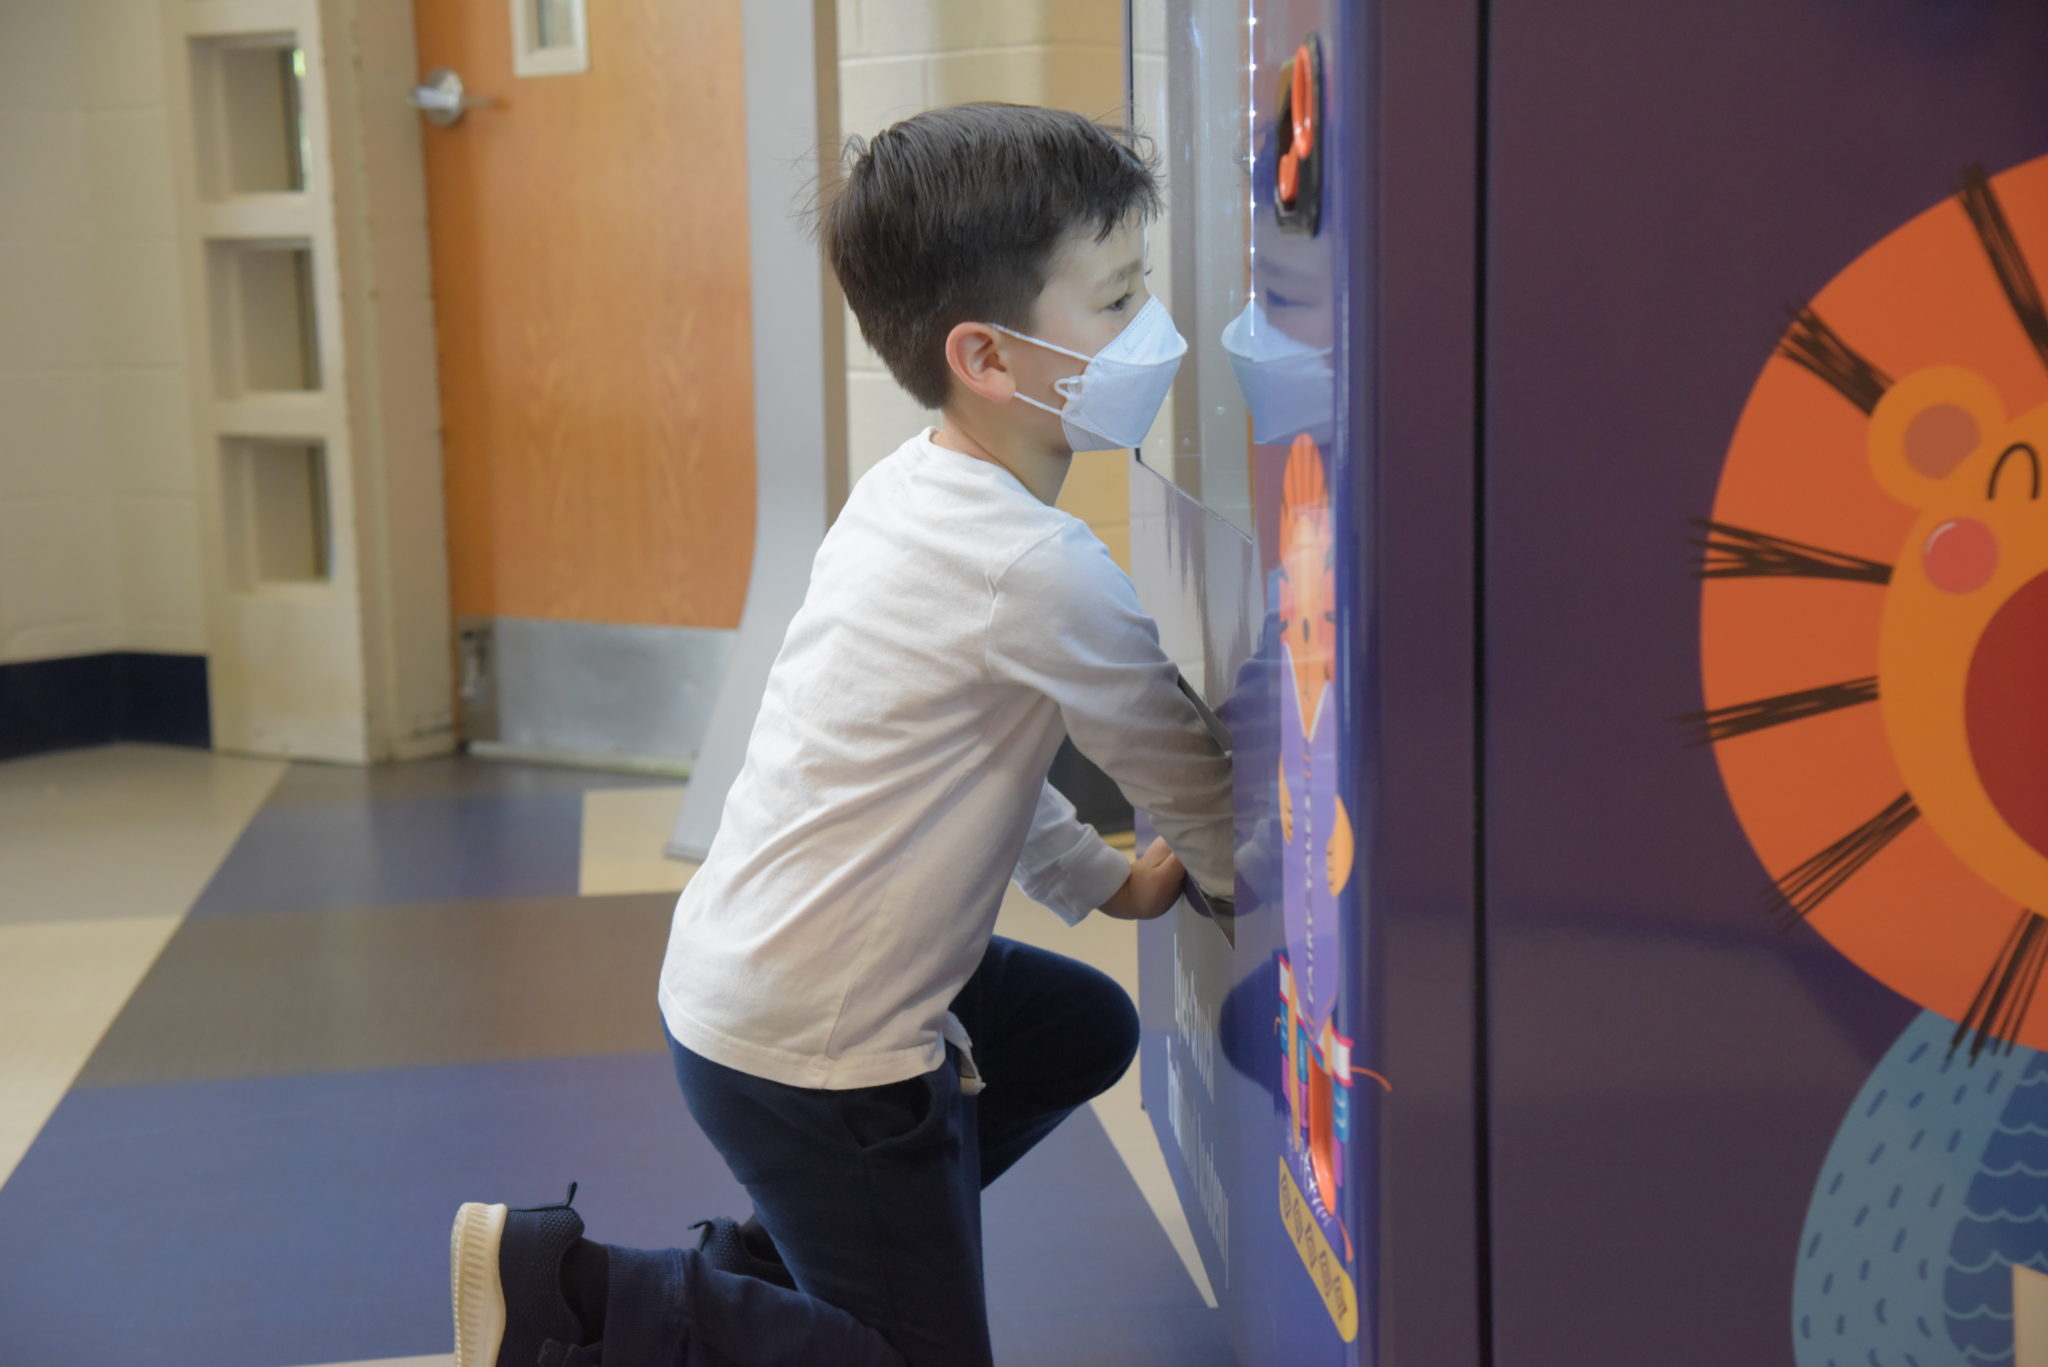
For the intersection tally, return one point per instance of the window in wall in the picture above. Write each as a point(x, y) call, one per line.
point(264, 327)
point(250, 93)
point(549, 38)
point(277, 516)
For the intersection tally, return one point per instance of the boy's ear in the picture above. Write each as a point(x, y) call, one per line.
point(974, 355)
point(1926, 426)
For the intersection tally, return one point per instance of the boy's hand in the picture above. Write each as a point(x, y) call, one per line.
point(1154, 885)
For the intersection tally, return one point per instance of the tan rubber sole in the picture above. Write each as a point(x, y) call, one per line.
point(474, 1286)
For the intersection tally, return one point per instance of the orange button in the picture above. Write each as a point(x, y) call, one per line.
point(1303, 98)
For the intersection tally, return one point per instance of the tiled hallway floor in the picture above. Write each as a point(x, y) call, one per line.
point(262, 1028)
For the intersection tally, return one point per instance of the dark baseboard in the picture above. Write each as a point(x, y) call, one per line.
point(94, 699)
point(86, 700)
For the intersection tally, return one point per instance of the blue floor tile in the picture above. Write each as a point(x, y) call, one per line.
point(1080, 1273)
point(256, 1223)
point(265, 1222)
point(317, 855)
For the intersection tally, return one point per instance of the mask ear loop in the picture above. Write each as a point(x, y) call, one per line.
point(1041, 406)
point(1059, 386)
point(1039, 341)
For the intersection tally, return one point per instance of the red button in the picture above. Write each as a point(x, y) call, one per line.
point(1960, 556)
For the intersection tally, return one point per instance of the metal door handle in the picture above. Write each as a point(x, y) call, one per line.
point(440, 97)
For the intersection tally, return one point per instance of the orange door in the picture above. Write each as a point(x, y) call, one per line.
point(590, 275)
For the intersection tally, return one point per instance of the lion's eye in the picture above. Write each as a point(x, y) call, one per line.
point(2024, 463)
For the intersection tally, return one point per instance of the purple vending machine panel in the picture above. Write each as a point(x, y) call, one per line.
point(1261, 1066)
point(1766, 660)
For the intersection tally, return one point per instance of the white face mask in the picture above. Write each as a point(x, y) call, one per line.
point(1288, 385)
point(1113, 401)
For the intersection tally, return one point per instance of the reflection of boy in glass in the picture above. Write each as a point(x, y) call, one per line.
point(1280, 345)
point(1316, 828)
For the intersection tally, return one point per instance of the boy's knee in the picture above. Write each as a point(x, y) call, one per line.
point(1117, 1022)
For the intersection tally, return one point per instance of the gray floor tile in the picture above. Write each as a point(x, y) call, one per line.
point(393, 987)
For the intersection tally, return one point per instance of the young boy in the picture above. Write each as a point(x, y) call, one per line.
point(860, 1049)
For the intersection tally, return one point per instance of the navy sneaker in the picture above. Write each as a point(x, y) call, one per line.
point(726, 1248)
point(505, 1275)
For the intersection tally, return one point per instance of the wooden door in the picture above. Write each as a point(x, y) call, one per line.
point(590, 273)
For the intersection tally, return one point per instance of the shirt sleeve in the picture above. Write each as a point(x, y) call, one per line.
point(1066, 622)
point(1065, 864)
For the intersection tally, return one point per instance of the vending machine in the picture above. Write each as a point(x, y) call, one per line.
point(1604, 509)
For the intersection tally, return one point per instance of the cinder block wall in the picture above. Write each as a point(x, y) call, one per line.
point(99, 535)
point(897, 57)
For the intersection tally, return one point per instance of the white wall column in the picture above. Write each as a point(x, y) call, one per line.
point(792, 129)
point(302, 233)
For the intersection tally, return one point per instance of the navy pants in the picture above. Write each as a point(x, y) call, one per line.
point(873, 1195)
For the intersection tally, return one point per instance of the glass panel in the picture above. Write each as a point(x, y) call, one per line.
point(293, 77)
point(261, 143)
point(1190, 83)
point(554, 23)
point(277, 512)
point(265, 322)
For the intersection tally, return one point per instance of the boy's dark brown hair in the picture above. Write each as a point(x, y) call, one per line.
point(953, 216)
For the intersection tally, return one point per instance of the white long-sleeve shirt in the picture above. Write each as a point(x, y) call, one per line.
point(955, 628)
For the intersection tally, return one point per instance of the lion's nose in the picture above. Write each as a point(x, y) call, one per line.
point(1960, 556)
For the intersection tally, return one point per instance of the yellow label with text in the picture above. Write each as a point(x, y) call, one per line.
point(1325, 1268)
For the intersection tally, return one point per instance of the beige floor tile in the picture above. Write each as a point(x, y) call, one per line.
point(102, 852)
point(624, 830)
point(61, 984)
point(120, 831)
point(2030, 1317)
point(1100, 941)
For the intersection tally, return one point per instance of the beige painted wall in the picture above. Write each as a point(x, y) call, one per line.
point(897, 57)
point(99, 531)
point(111, 506)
